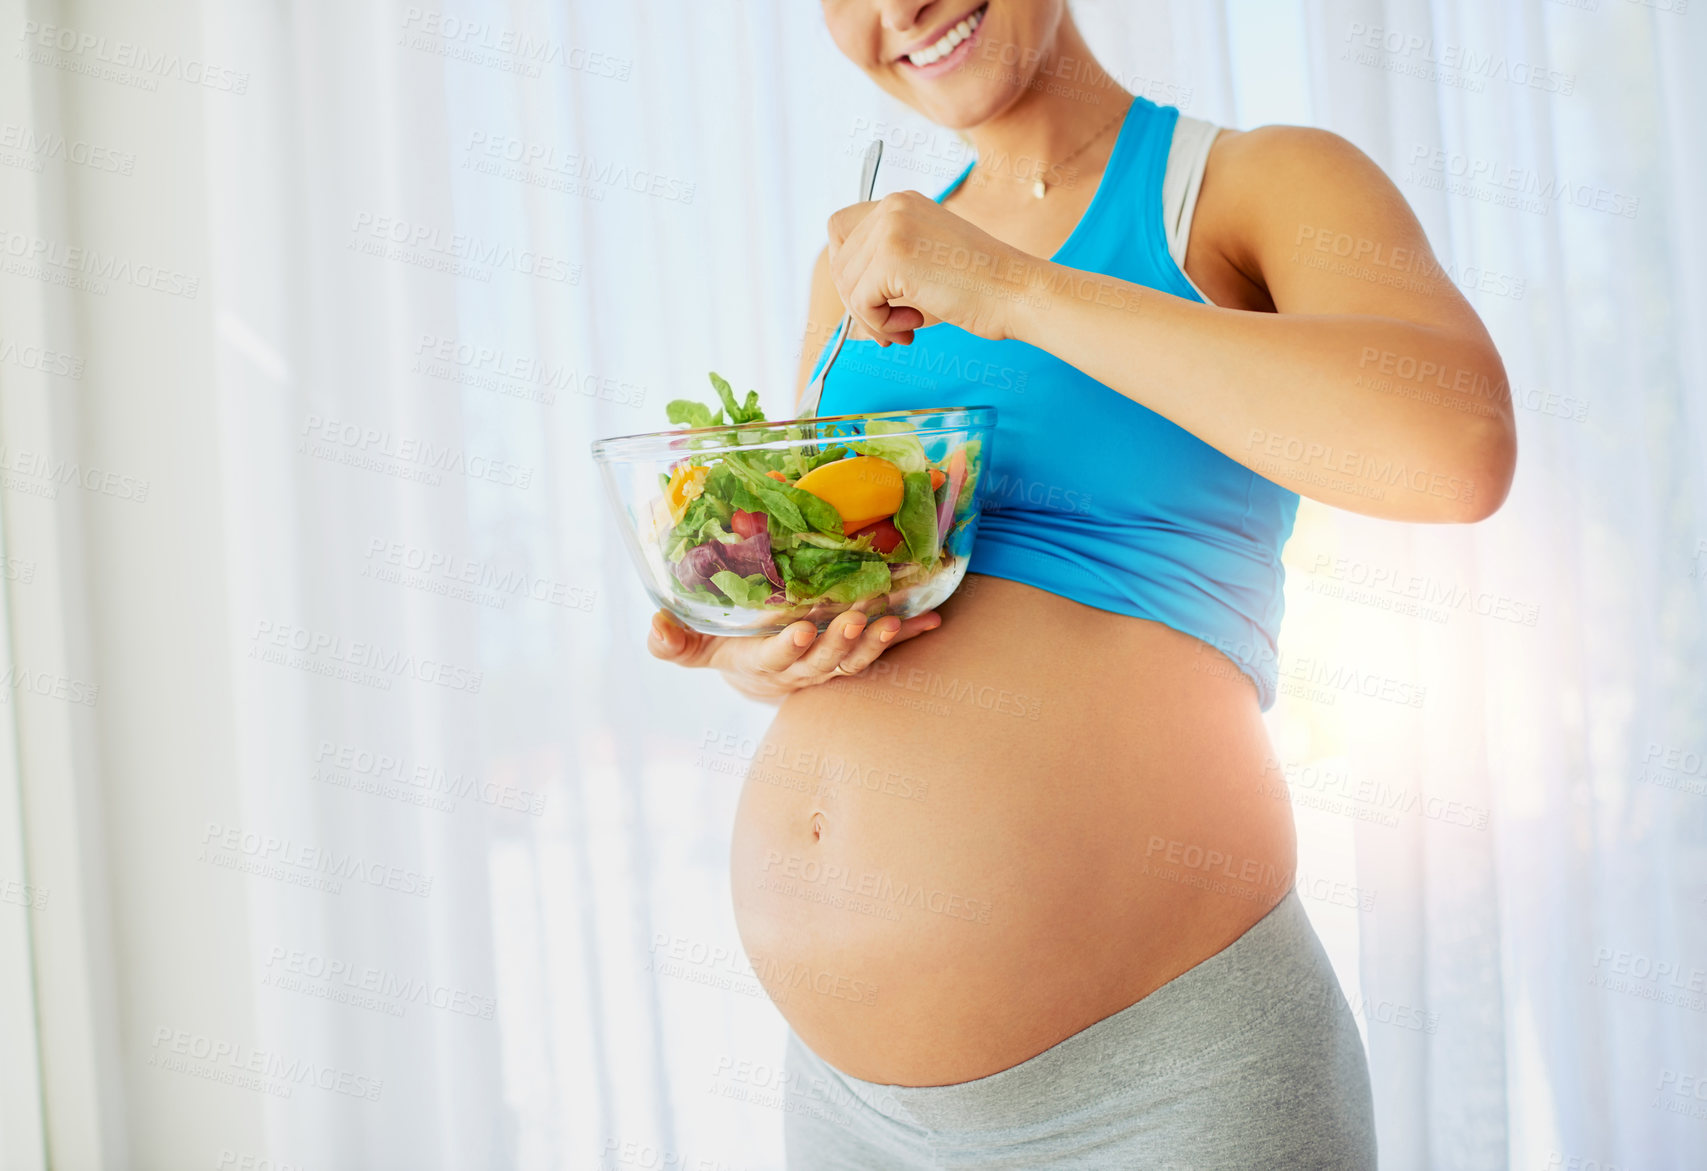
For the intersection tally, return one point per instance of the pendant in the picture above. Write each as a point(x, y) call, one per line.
point(1037, 189)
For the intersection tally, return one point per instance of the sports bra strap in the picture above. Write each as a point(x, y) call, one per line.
point(1188, 157)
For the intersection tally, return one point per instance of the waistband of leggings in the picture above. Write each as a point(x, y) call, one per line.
point(1189, 1025)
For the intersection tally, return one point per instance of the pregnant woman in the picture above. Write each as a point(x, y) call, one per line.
point(1013, 870)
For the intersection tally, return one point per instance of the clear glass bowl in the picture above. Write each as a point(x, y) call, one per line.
point(725, 567)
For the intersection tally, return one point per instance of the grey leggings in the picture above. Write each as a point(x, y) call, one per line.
point(1249, 1060)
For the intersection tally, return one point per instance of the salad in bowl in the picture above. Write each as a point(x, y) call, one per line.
point(741, 526)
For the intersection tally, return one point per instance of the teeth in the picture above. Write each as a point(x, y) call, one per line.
point(945, 46)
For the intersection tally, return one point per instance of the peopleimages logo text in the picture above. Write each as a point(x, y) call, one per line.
point(463, 247)
point(50, 145)
point(95, 265)
point(241, 1058)
point(277, 850)
point(122, 54)
point(315, 645)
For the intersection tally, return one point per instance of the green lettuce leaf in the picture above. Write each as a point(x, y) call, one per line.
point(829, 574)
point(713, 530)
point(869, 580)
point(894, 441)
point(682, 410)
point(809, 571)
point(809, 559)
point(683, 538)
point(728, 488)
point(698, 593)
point(752, 590)
point(706, 506)
point(974, 458)
point(748, 411)
point(917, 518)
point(859, 544)
point(793, 461)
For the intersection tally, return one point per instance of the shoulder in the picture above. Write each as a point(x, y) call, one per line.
point(1285, 149)
point(1264, 186)
point(1277, 170)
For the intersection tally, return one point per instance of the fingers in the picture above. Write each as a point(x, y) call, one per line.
point(904, 319)
point(851, 258)
point(874, 293)
point(865, 282)
point(669, 640)
point(913, 627)
point(843, 223)
point(869, 281)
point(854, 655)
point(781, 651)
point(799, 655)
point(665, 639)
point(841, 636)
point(875, 302)
point(878, 637)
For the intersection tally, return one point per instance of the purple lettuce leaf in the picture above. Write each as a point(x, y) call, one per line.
point(744, 557)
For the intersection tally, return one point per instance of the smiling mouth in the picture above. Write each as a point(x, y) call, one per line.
point(935, 56)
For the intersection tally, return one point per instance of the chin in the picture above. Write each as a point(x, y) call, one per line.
point(970, 75)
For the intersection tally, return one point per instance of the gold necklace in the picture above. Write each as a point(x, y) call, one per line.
point(1039, 188)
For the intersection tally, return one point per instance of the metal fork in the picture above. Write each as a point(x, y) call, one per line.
point(867, 184)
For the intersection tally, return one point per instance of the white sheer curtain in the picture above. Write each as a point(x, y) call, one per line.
point(344, 821)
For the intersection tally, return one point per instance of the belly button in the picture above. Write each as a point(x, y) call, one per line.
point(817, 826)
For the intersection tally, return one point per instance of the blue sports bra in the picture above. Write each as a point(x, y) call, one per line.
point(1088, 494)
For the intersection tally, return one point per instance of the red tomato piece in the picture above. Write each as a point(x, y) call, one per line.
point(748, 524)
point(884, 535)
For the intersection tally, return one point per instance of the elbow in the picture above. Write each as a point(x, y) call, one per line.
point(1487, 450)
point(1491, 464)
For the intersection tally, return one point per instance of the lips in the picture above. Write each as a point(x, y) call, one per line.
point(949, 49)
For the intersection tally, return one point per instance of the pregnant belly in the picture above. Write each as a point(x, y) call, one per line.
point(1002, 832)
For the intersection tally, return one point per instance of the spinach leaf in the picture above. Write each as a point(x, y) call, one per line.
point(787, 504)
point(761, 490)
point(827, 455)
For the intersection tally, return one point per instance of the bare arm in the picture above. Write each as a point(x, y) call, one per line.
point(1372, 385)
